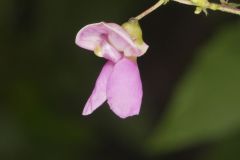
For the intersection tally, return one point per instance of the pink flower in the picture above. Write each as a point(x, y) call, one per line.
point(119, 81)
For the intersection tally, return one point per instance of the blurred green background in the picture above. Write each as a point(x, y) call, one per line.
point(190, 74)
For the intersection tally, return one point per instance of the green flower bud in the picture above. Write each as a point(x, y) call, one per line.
point(134, 30)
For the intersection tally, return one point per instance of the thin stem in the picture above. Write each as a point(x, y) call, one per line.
point(228, 9)
point(223, 8)
point(220, 7)
point(187, 2)
point(149, 10)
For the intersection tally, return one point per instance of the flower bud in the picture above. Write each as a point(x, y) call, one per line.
point(134, 30)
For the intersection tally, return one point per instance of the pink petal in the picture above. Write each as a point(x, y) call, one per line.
point(124, 89)
point(98, 96)
point(123, 42)
point(91, 36)
point(109, 52)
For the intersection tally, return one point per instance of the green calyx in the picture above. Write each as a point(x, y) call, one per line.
point(134, 30)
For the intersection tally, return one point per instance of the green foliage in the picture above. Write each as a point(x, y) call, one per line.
point(206, 105)
point(228, 148)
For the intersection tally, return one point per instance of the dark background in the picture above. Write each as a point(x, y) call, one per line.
point(46, 80)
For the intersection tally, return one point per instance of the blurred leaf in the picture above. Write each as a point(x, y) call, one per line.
point(227, 148)
point(206, 104)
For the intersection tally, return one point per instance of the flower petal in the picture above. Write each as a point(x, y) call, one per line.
point(108, 52)
point(124, 89)
point(98, 96)
point(121, 40)
point(91, 37)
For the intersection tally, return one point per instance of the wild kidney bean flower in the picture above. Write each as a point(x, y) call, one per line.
point(119, 81)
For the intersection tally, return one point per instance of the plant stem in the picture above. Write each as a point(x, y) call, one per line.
point(149, 10)
point(220, 7)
